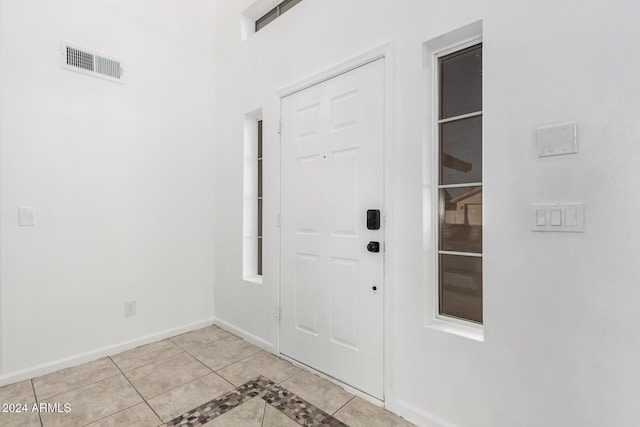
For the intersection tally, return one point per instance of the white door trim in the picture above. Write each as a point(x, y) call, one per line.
point(386, 52)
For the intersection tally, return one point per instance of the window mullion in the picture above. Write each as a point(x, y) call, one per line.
point(464, 184)
point(460, 117)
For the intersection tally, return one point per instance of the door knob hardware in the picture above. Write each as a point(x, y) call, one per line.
point(373, 247)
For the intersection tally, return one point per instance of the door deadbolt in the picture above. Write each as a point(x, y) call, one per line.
point(373, 219)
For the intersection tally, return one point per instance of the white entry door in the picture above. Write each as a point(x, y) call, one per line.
point(332, 173)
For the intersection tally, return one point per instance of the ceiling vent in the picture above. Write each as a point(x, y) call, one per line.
point(91, 62)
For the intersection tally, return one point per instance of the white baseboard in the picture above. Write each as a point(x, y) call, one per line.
point(253, 339)
point(68, 362)
point(417, 416)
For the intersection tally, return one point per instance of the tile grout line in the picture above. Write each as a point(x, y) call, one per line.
point(190, 382)
point(211, 371)
point(110, 415)
point(199, 361)
point(217, 371)
point(195, 348)
point(36, 399)
point(150, 363)
point(169, 339)
point(227, 380)
point(290, 376)
point(230, 335)
point(181, 385)
point(225, 366)
point(255, 354)
point(240, 360)
point(75, 388)
point(139, 394)
point(264, 413)
point(223, 379)
point(342, 407)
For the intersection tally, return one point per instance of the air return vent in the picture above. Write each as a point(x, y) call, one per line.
point(91, 62)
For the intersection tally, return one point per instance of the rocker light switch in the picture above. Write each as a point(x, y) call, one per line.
point(559, 217)
point(571, 218)
point(26, 216)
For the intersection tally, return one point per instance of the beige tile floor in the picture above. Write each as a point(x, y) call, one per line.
point(153, 384)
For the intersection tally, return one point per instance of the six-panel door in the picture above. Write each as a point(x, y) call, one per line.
point(332, 173)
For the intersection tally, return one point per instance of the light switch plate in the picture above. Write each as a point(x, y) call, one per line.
point(27, 216)
point(557, 140)
point(560, 217)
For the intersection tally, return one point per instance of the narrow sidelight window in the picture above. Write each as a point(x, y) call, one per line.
point(460, 184)
point(252, 198)
point(259, 225)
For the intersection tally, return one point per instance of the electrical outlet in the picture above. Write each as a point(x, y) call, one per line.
point(129, 308)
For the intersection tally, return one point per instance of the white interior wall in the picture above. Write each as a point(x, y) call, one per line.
point(121, 176)
point(560, 310)
point(123, 179)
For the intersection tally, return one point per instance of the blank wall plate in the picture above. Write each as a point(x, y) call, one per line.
point(557, 140)
point(27, 216)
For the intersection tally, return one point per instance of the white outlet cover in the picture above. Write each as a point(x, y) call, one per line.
point(557, 140)
point(129, 308)
point(27, 216)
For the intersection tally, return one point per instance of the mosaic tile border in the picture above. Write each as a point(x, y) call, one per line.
point(294, 407)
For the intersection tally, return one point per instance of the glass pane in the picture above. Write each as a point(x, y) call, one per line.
point(461, 219)
point(259, 217)
point(461, 82)
point(288, 4)
point(259, 256)
point(259, 178)
point(461, 151)
point(461, 287)
point(266, 19)
point(259, 139)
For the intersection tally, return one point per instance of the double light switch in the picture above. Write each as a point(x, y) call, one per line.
point(566, 217)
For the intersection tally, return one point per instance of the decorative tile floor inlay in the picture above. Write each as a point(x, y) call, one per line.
point(277, 396)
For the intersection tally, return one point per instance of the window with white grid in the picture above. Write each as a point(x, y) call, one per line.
point(459, 136)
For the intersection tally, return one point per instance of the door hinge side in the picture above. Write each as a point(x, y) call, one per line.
point(278, 312)
point(279, 220)
point(280, 126)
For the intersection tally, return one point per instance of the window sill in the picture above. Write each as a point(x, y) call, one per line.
point(256, 280)
point(475, 333)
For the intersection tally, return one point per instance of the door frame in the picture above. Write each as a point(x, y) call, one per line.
point(386, 53)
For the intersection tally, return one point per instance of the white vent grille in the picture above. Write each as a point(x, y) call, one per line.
point(90, 62)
